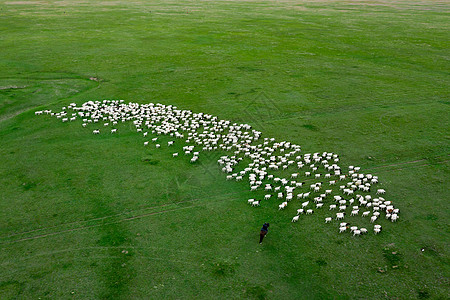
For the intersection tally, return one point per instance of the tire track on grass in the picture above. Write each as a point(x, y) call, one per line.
point(118, 221)
point(161, 206)
point(111, 216)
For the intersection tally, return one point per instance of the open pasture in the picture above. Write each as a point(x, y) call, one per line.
point(102, 216)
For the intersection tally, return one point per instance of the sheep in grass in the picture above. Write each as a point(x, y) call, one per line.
point(356, 232)
point(394, 217)
point(305, 204)
point(332, 206)
point(354, 212)
point(300, 211)
point(381, 191)
point(96, 131)
point(255, 203)
point(328, 219)
point(267, 197)
point(282, 206)
point(250, 201)
point(377, 229)
point(340, 216)
point(363, 230)
point(210, 133)
point(295, 218)
point(342, 229)
point(373, 219)
point(309, 212)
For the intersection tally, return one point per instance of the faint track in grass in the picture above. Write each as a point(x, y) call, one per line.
point(410, 164)
point(130, 218)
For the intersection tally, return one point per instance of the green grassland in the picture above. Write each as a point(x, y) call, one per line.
point(90, 217)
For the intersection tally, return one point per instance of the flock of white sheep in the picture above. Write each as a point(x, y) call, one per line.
point(268, 165)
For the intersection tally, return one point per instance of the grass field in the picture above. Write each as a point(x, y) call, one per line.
point(102, 217)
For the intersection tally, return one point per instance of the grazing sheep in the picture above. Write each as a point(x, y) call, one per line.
point(309, 212)
point(205, 132)
point(328, 219)
point(295, 219)
point(381, 191)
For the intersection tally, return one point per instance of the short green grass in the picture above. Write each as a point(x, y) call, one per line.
point(94, 217)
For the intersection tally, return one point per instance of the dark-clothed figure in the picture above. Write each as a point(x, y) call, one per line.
point(263, 232)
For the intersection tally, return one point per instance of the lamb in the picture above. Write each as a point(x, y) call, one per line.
point(342, 229)
point(295, 219)
point(309, 212)
point(373, 219)
point(300, 211)
point(332, 206)
point(304, 204)
point(328, 219)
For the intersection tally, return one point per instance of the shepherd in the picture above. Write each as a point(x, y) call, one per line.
point(263, 232)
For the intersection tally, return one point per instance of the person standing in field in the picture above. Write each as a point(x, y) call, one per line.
point(263, 232)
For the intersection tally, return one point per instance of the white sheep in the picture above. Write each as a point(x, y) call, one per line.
point(381, 191)
point(295, 219)
point(255, 203)
point(328, 219)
